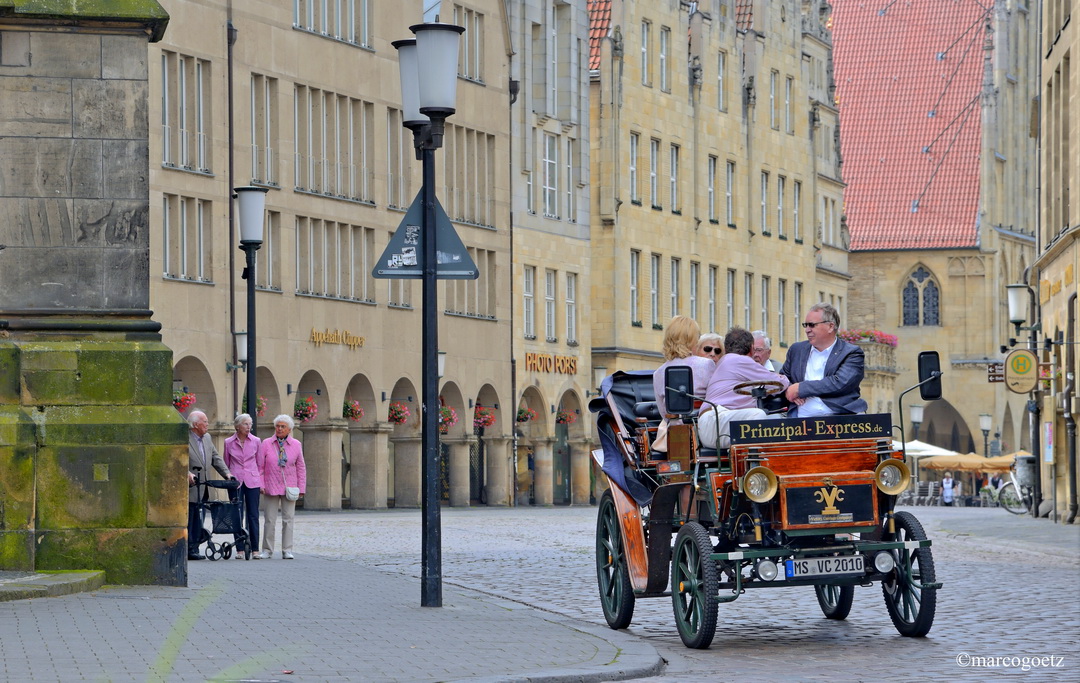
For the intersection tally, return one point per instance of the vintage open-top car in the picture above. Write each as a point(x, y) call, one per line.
point(792, 502)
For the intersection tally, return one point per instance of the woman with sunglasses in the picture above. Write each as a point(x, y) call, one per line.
point(710, 345)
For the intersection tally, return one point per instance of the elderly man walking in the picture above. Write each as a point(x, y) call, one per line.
point(201, 454)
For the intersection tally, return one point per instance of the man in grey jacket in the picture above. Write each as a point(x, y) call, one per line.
point(825, 371)
point(201, 454)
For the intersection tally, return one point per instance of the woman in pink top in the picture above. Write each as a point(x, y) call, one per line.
point(680, 340)
point(240, 451)
point(281, 462)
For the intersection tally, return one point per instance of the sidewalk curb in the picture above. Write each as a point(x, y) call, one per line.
point(51, 584)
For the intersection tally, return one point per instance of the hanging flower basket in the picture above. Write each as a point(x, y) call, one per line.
point(260, 406)
point(305, 409)
point(566, 417)
point(447, 418)
point(483, 416)
point(876, 336)
point(182, 400)
point(526, 414)
point(351, 410)
point(399, 413)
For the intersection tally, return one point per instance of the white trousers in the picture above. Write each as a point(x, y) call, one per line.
point(709, 420)
point(270, 506)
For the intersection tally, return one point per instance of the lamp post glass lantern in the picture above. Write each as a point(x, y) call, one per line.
point(986, 422)
point(251, 208)
point(916, 419)
point(428, 68)
point(1018, 303)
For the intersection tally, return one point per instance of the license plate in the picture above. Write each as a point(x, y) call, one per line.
point(823, 566)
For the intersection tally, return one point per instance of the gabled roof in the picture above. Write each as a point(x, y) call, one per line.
point(599, 25)
point(744, 14)
point(908, 79)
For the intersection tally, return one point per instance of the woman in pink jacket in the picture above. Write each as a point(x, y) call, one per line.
point(241, 450)
point(281, 462)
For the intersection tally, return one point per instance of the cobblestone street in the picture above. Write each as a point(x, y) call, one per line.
point(1011, 589)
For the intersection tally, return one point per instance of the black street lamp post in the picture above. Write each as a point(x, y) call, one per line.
point(1021, 302)
point(428, 67)
point(252, 207)
point(985, 423)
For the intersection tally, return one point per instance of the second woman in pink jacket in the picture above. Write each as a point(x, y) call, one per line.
point(281, 462)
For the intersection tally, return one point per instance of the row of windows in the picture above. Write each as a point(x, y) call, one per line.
point(713, 312)
point(331, 259)
point(345, 20)
point(551, 318)
point(560, 178)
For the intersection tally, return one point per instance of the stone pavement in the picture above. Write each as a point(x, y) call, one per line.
point(310, 619)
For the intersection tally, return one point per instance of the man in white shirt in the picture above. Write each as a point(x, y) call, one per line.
point(825, 371)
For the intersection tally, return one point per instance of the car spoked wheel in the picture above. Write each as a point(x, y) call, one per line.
point(694, 586)
point(612, 573)
point(835, 601)
point(911, 607)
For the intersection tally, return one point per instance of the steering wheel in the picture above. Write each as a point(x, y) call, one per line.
point(770, 386)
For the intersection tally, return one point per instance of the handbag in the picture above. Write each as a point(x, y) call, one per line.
point(291, 492)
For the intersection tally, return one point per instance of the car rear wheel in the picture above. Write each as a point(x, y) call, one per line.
point(612, 573)
point(694, 586)
point(911, 607)
point(835, 601)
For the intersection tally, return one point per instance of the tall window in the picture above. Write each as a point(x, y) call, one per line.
point(730, 299)
point(789, 90)
point(729, 187)
point(764, 203)
point(675, 274)
point(267, 272)
point(796, 200)
point(363, 261)
point(797, 306)
point(635, 281)
point(694, 275)
point(646, 77)
point(571, 308)
point(571, 184)
point(186, 112)
point(712, 188)
point(721, 83)
point(398, 146)
point(549, 305)
point(345, 20)
point(528, 288)
point(471, 44)
point(665, 44)
point(765, 303)
point(187, 237)
point(713, 276)
point(921, 299)
point(748, 300)
point(781, 302)
point(774, 117)
point(551, 175)
point(673, 175)
point(264, 116)
point(635, 194)
point(781, 185)
point(654, 289)
point(654, 172)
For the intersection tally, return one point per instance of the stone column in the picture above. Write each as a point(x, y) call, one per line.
point(370, 448)
point(322, 455)
point(93, 457)
point(407, 478)
point(580, 462)
point(543, 470)
point(498, 470)
point(459, 469)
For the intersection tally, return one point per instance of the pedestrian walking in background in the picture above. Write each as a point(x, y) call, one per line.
point(201, 455)
point(948, 489)
point(241, 451)
point(284, 480)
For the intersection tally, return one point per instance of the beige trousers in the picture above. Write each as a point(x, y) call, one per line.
point(270, 506)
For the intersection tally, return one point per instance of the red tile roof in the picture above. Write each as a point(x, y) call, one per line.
point(599, 25)
point(744, 14)
point(908, 79)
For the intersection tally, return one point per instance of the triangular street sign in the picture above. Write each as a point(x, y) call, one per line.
point(404, 255)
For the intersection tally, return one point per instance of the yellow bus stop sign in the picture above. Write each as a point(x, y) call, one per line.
point(1021, 371)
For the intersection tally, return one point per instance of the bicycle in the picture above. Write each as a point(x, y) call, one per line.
point(1013, 496)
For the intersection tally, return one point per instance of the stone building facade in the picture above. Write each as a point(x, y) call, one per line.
point(715, 172)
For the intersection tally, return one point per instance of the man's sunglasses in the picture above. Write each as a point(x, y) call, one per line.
point(710, 349)
point(810, 326)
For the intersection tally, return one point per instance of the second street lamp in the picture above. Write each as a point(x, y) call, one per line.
point(252, 208)
point(985, 423)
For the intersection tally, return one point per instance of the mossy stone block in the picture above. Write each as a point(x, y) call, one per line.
point(9, 373)
point(83, 487)
point(16, 488)
point(16, 427)
point(17, 550)
point(143, 425)
point(166, 486)
point(128, 556)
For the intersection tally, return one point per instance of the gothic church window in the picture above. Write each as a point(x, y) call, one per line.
point(921, 299)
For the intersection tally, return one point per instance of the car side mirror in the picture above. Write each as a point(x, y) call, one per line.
point(929, 376)
point(679, 389)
